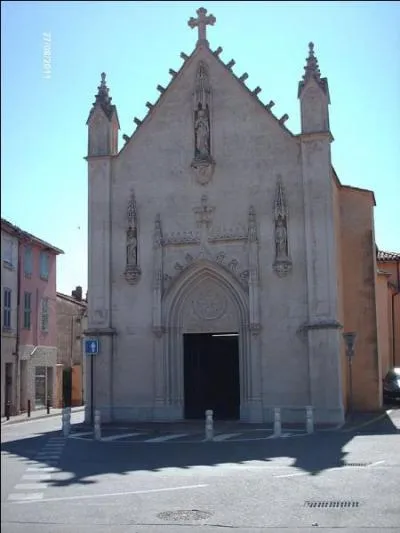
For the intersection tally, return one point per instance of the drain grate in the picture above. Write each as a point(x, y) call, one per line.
point(356, 464)
point(331, 504)
point(181, 516)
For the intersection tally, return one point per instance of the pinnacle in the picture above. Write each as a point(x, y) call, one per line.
point(312, 68)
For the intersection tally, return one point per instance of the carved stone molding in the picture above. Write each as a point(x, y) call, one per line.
point(158, 331)
point(255, 328)
point(234, 234)
point(203, 170)
point(282, 267)
point(132, 274)
point(185, 237)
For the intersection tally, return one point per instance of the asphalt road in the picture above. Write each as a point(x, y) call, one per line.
point(347, 479)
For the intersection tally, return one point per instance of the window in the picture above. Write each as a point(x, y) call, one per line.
point(45, 315)
point(27, 310)
point(8, 252)
point(7, 308)
point(44, 265)
point(28, 262)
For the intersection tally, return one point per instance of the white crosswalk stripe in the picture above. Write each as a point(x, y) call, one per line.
point(23, 497)
point(123, 436)
point(225, 436)
point(30, 486)
point(39, 472)
point(167, 437)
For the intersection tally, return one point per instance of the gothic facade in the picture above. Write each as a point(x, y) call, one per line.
point(214, 219)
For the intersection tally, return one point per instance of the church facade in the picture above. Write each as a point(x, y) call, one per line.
point(218, 255)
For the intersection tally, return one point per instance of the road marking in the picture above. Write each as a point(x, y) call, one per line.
point(376, 463)
point(55, 445)
point(111, 494)
point(30, 486)
point(24, 498)
point(367, 423)
point(37, 477)
point(292, 475)
point(123, 436)
point(225, 436)
point(42, 469)
point(167, 437)
point(80, 435)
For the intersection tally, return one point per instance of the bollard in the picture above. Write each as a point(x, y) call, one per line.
point(277, 422)
point(309, 419)
point(209, 425)
point(8, 409)
point(29, 409)
point(66, 422)
point(48, 406)
point(97, 426)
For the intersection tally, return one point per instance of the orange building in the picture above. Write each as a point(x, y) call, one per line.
point(388, 288)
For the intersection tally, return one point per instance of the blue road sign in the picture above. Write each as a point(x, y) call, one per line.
point(91, 346)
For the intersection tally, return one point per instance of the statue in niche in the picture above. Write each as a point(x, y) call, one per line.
point(202, 134)
point(281, 247)
point(131, 247)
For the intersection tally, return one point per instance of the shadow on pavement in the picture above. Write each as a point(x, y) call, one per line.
point(87, 460)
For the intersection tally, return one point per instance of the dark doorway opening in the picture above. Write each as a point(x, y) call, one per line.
point(211, 375)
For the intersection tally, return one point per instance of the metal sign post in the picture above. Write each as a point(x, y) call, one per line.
point(92, 349)
point(350, 340)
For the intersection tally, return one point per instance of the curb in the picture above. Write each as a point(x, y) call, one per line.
point(39, 417)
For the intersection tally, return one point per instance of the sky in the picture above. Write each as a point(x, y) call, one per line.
point(52, 54)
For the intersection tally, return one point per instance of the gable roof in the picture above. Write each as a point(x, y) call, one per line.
point(25, 236)
point(80, 303)
point(387, 256)
point(228, 67)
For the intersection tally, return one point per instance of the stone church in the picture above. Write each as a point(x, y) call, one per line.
point(219, 246)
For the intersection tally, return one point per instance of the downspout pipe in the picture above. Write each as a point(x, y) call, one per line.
point(17, 406)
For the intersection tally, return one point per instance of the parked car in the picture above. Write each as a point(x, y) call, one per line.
point(391, 386)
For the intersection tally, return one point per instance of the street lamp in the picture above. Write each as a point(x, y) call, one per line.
point(350, 339)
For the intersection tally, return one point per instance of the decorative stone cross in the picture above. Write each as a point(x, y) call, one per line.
point(201, 22)
point(204, 215)
point(204, 212)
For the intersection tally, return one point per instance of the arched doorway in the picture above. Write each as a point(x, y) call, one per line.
point(205, 314)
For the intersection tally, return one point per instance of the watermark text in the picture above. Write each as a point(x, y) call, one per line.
point(46, 62)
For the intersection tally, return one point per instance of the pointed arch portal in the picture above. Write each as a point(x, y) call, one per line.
point(204, 303)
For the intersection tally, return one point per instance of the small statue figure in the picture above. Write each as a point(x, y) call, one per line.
point(280, 239)
point(131, 247)
point(202, 130)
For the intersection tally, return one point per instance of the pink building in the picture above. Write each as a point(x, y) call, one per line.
point(36, 342)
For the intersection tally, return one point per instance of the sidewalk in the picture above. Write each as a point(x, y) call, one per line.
point(38, 414)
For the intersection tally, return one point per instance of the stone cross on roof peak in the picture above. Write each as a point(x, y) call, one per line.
point(202, 21)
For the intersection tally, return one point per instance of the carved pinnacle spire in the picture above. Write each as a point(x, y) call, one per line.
point(202, 21)
point(103, 98)
point(312, 68)
point(312, 71)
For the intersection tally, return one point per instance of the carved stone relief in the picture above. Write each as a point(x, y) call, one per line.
point(132, 269)
point(209, 304)
point(209, 308)
point(282, 264)
point(203, 162)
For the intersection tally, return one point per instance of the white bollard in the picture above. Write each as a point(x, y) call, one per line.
point(209, 424)
point(97, 426)
point(66, 422)
point(309, 419)
point(277, 422)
